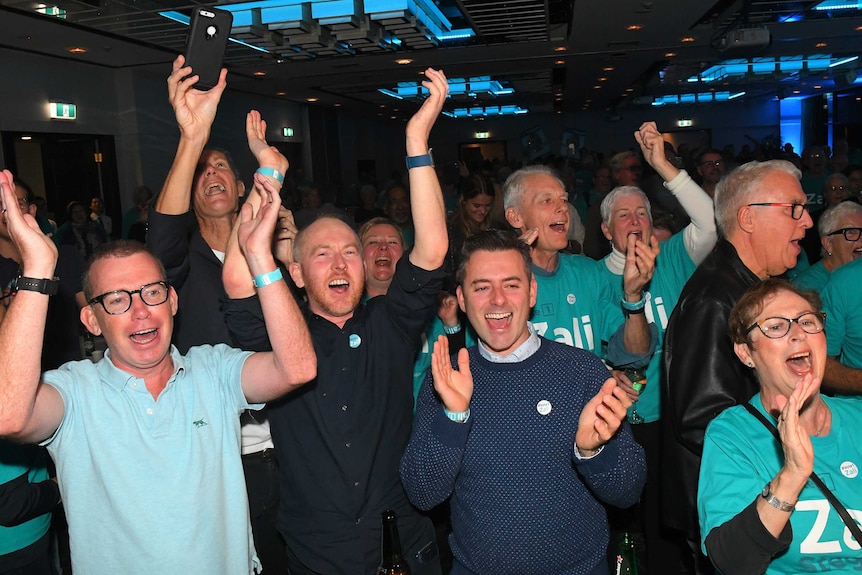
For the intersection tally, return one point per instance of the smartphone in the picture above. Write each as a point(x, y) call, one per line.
point(208, 35)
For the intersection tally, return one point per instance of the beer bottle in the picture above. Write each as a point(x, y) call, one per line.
point(627, 561)
point(391, 562)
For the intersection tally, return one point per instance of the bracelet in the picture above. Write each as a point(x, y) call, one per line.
point(452, 330)
point(636, 306)
point(271, 172)
point(457, 416)
point(262, 280)
point(421, 160)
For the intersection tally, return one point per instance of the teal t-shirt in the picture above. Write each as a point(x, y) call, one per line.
point(814, 278)
point(740, 456)
point(575, 304)
point(673, 267)
point(842, 302)
point(15, 461)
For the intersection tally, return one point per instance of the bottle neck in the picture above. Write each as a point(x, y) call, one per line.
point(390, 543)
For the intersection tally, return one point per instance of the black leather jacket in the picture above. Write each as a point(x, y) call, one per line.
point(704, 376)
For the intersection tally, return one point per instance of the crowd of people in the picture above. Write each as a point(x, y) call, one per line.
point(520, 361)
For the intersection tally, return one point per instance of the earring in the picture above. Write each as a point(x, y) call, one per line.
point(828, 254)
point(750, 364)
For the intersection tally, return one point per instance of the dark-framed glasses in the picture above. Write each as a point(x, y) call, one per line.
point(716, 163)
point(841, 188)
point(119, 301)
point(850, 234)
point(796, 210)
point(778, 327)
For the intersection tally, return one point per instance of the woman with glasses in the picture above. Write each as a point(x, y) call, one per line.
point(759, 511)
point(836, 189)
point(840, 229)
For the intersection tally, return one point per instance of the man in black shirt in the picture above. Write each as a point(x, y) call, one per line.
point(340, 441)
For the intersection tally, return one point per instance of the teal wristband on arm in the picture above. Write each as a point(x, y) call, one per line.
point(262, 280)
point(272, 173)
point(453, 329)
point(634, 306)
point(457, 416)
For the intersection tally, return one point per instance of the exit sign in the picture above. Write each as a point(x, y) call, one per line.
point(683, 123)
point(59, 111)
point(288, 132)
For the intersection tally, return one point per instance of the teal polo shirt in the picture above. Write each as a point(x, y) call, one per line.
point(154, 485)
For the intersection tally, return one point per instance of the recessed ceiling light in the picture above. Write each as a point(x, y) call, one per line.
point(26, 138)
point(821, 45)
point(670, 54)
point(558, 99)
point(311, 99)
point(816, 86)
point(560, 62)
point(603, 79)
point(608, 69)
point(337, 104)
point(393, 117)
point(560, 49)
point(797, 92)
point(259, 73)
point(687, 39)
point(858, 28)
point(597, 86)
point(382, 105)
point(281, 93)
point(404, 61)
point(630, 89)
point(77, 50)
point(858, 98)
point(633, 27)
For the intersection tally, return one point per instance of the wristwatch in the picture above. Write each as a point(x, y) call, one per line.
point(774, 501)
point(419, 161)
point(41, 285)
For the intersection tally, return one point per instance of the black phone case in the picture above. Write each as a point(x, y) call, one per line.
point(208, 35)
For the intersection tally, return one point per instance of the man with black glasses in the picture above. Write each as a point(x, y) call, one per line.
point(761, 216)
point(710, 168)
point(146, 441)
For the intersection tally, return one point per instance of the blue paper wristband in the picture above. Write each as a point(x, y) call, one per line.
point(457, 416)
point(262, 280)
point(272, 173)
point(635, 306)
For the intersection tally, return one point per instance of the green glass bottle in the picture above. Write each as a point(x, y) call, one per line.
point(627, 561)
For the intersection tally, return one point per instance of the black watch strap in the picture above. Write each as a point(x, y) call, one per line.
point(41, 285)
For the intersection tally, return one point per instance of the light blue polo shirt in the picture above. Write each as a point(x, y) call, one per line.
point(154, 486)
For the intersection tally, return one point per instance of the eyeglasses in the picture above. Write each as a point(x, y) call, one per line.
point(716, 163)
point(838, 188)
point(850, 234)
point(119, 301)
point(796, 210)
point(778, 327)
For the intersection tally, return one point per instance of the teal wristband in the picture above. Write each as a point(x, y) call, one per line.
point(272, 173)
point(635, 306)
point(452, 330)
point(457, 416)
point(262, 280)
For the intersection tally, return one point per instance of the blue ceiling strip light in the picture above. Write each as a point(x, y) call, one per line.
point(839, 5)
point(765, 66)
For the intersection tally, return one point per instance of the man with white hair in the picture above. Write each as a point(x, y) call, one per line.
point(761, 213)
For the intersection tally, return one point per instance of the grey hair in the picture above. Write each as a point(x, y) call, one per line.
point(618, 160)
point(736, 189)
point(515, 185)
point(831, 216)
point(608, 202)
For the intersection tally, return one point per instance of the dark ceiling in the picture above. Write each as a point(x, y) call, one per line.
point(556, 55)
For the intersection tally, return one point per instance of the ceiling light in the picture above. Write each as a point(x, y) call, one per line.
point(77, 50)
point(337, 104)
point(797, 92)
point(687, 39)
point(597, 86)
point(816, 86)
point(560, 49)
point(311, 99)
point(393, 117)
point(821, 45)
point(608, 69)
point(382, 105)
point(633, 27)
point(670, 54)
point(630, 89)
point(603, 79)
point(281, 93)
point(858, 28)
point(26, 138)
point(259, 73)
point(404, 61)
point(560, 62)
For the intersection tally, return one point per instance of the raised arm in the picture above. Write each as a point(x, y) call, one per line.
point(426, 197)
point(700, 234)
point(269, 375)
point(195, 112)
point(29, 410)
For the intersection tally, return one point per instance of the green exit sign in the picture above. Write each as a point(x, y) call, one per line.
point(288, 132)
point(684, 123)
point(59, 111)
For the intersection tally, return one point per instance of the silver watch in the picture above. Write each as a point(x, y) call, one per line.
point(774, 501)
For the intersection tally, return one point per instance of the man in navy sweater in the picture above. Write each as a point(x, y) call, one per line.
point(527, 436)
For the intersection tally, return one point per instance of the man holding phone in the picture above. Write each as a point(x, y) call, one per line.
point(189, 226)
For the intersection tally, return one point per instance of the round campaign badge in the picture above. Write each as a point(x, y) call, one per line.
point(570, 298)
point(355, 340)
point(849, 469)
point(543, 407)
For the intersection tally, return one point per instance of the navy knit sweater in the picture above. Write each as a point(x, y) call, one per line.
point(520, 502)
